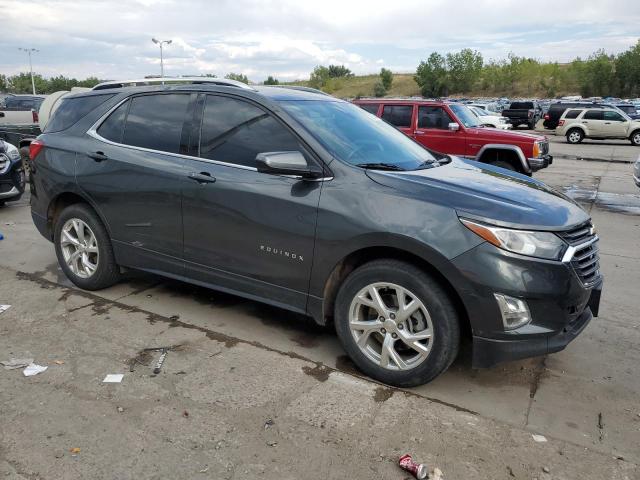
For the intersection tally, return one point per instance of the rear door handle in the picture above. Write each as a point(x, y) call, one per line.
point(419, 132)
point(202, 177)
point(98, 156)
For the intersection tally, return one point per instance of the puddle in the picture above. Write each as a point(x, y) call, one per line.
point(319, 372)
point(625, 203)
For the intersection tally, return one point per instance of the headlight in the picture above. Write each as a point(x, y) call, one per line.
point(502, 120)
point(532, 244)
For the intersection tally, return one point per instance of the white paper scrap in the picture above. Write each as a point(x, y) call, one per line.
point(4, 308)
point(33, 369)
point(539, 438)
point(113, 378)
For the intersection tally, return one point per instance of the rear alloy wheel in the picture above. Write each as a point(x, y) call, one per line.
point(84, 249)
point(575, 136)
point(635, 138)
point(397, 323)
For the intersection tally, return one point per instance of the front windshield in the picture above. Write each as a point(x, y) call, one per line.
point(465, 116)
point(355, 136)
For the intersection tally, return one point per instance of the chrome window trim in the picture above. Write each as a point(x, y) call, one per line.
point(571, 251)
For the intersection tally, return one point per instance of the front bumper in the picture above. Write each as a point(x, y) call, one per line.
point(540, 163)
point(12, 182)
point(560, 304)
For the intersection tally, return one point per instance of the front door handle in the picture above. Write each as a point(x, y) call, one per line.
point(97, 156)
point(202, 177)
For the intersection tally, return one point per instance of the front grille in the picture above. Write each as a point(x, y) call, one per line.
point(585, 259)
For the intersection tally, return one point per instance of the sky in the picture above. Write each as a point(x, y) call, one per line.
point(288, 38)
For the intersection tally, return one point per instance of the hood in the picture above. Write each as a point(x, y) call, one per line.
point(506, 136)
point(489, 194)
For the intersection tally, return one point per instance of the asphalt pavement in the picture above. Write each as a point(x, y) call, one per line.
point(252, 391)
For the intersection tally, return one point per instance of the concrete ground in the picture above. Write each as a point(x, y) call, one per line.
point(252, 391)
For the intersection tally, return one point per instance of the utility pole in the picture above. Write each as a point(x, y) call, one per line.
point(159, 43)
point(29, 52)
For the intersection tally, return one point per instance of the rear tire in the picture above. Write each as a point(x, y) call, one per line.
point(84, 249)
point(635, 138)
point(574, 136)
point(392, 350)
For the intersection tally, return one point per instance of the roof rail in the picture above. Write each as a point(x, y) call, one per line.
point(300, 88)
point(171, 80)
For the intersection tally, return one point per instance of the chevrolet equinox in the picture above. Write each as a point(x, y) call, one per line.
point(303, 201)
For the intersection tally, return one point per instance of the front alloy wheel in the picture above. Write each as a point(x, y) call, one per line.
point(391, 326)
point(79, 248)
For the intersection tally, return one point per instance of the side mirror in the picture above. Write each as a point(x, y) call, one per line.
point(285, 163)
point(453, 126)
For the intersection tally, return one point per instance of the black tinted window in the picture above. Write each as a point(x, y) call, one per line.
point(23, 103)
point(593, 115)
point(113, 126)
point(155, 121)
point(71, 110)
point(433, 117)
point(522, 105)
point(235, 131)
point(370, 107)
point(398, 115)
point(572, 114)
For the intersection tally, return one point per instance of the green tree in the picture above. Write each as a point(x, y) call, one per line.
point(271, 81)
point(338, 71)
point(319, 77)
point(628, 71)
point(239, 77)
point(386, 77)
point(379, 89)
point(464, 69)
point(4, 84)
point(431, 76)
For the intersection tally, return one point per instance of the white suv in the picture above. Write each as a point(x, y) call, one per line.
point(598, 123)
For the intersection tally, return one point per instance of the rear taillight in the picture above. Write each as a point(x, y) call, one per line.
point(546, 116)
point(35, 117)
point(35, 148)
point(560, 123)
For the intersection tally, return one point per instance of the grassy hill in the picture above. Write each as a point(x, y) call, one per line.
point(350, 87)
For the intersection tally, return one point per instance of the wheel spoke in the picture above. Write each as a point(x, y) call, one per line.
point(367, 329)
point(413, 340)
point(389, 354)
point(88, 266)
point(67, 239)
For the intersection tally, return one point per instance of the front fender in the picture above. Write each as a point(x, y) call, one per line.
point(522, 159)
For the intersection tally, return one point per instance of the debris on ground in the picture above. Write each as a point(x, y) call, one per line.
point(75, 450)
point(33, 369)
point(272, 443)
point(113, 378)
point(268, 424)
point(185, 414)
point(546, 469)
point(418, 470)
point(59, 362)
point(4, 307)
point(15, 363)
point(1, 237)
point(539, 438)
point(163, 355)
point(120, 409)
point(436, 475)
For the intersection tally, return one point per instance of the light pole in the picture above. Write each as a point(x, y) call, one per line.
point(29, 52)
point(160, 42)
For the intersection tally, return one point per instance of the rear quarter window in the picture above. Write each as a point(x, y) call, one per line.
point(572, 114)
point(71, 110)
point(398, 115)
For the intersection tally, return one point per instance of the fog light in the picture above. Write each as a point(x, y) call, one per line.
point(515, 312)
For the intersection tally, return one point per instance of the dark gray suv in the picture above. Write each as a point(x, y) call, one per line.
point(309, 203)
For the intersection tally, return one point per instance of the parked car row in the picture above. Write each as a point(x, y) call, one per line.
point(598, 123)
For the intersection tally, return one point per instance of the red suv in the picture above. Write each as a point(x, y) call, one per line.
point(452, 128)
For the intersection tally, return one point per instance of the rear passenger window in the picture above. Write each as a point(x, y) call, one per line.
point(398, 115)
point(593, 115)
point(113, 127)
point(71, 110)
point(433, 117)
point(370, 107)
point(155, 121)
point(234, 131)
point(572, 114)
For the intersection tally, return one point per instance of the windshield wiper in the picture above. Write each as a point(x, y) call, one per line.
point(381, 166)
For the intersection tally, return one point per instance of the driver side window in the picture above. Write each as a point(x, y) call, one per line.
point(235, 131)
point(433, 117)
point(613, 116)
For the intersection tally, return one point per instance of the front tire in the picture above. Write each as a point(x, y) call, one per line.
point(504, 164)
point(397, 323)
point(84, 249)
point(575, 135)
point(635, 138)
